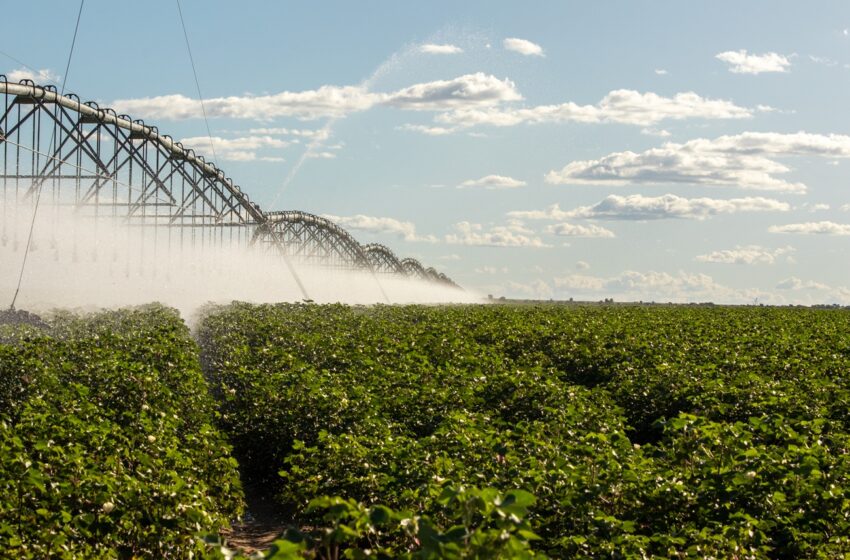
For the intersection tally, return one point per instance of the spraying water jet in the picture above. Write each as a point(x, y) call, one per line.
point(120, 185)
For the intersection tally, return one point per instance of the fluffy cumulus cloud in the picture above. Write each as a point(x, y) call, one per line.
point(634, 285)
point(522, 46)
point(40, 77)
point(750, 254)
point(427, 130)
point(574, 230)
point(536, 289)
point(661, 133)
point(813, 228)
point(681, 286)
point(470, 90)
point(492, 182)
point(327, 101)
point(619, 106)
point(668, 206)
point(815, 206)
point(811, 291)
point(794, 283)
point(381, 225)
point(552, 212)
point(741, 62)
point(512, 235)
point(775, 143)
point(460, 103)
point(744, 160)
point(431, 48)
point(237, 149)
point(316, 134)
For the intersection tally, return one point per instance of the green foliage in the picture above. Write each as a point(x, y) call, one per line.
point(107, 443)
point(478, 523)
point(642, 431)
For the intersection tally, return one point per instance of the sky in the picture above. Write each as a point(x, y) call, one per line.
point(653, 151)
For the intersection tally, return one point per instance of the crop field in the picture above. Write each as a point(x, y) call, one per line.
point(107, 439)
point(500, 431)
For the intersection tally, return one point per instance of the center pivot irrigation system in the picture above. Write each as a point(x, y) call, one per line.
point(105, 166)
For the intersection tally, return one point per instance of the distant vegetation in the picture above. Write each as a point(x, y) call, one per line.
point(432, 432)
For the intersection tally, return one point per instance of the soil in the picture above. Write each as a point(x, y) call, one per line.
point(262, 523)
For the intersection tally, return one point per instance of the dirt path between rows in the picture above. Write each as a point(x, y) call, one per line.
point(262, 523)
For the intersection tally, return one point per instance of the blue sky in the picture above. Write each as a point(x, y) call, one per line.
point(666, 151)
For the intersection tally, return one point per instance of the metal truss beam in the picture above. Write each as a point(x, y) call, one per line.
point(106, 165)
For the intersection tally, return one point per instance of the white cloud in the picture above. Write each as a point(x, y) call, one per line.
point(318, 134)
point(552, 212)
point(742, 63)
point(741, 160)
point(654, 286)
point(823, 60)
point(432, 48)
point(492, 182)
point(619, 106)
point(327, 101)
point(775, 143)
point(573, 230)
point(661, 72)
point(815, 207)
point(632, 281)
point(582, 265)
point(512, 235)
point(319, 155)
point(661, 133)
point(536, 289)
point(428, 130)
point(470, 90)
point(794, 283)
point(845, 208)
point(236, 149)
point(668, 206)
point(40, 77)
point(382, 225)
point(580, 283)
point(750, 254)
point(813, 228)
point(811, 291)
point(522, 46)
point(676, 164)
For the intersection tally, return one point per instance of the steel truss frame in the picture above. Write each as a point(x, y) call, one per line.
point(105, 165)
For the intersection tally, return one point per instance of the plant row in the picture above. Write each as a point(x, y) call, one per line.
point(642, 431)
point(108, 444)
